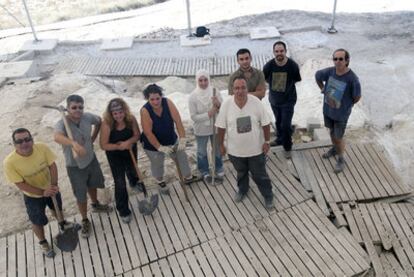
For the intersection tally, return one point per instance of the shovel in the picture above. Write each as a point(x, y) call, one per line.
point(146, 206)
point(68, 237)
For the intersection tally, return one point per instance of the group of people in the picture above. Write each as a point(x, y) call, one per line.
point(238, 126)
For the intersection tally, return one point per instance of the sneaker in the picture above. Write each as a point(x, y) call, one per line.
point(65, 225)
point(192, 179)
point(269, 204)
point(287, 154)
point(126, 219)
point(340, 165)
point(47, 249)
point(239, 196)
point(163, 188)
point(208, 179)
point(219, 179)
point(137, 187)
point(101, 208)
point(86, 228)
point(331, 152)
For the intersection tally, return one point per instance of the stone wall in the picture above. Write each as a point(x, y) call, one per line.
point(48, 11)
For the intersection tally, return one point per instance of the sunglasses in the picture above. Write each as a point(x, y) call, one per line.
point(76, 108)
point(20, 141)
point(338, 59)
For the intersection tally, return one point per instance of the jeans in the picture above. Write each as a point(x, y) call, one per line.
point(157, 163)
point(284, 115)
point(202, 155)
point(121, 167)
point(257, 167)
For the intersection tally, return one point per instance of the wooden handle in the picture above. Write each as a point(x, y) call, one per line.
point(139, 173)
point(180, 176)
point(59, 214)
point(68, 131)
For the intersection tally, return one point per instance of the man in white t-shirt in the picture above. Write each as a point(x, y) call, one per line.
point(244, 119)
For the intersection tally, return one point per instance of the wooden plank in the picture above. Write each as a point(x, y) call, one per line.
point(111, 242)
point(170, 226)
point(3, 256)
point(396, 269)
point(39, 258)
point(155, 269)
point(405, 219)
point(339, 217)
point(251, 236)
point(146, 271)
point(101, 243)
point(175, 267)
point(58, 259)
point(21, 255)
point(175, 191)
point(129, 243)
point(163, 232)
point(135, 273)
point(310, 243)
point(353, 243)
point(221, 258)
point(297, 159)
point(241, 257)
point(11, 256)
point(211, 257)
point(49, 263)
point(337, 244)
point(165, 267)
point(192, 261)
point(312, 144)
point(146, 238)
point(231, 257)
point(352, 223)
point(30, 257)
point(202, 260)
point(371, 223)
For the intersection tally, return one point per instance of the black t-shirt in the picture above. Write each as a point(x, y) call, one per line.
point(281, 80)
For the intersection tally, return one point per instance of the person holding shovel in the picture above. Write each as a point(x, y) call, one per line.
point(32, 168)
point(82, 166)
point(204, 106)
point(159, 118)
point(119, 133)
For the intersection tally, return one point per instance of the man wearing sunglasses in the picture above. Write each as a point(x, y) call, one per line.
point(341, 89)
point(82, 166)
point(32, 168)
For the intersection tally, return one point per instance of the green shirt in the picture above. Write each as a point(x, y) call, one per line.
point(256, 79)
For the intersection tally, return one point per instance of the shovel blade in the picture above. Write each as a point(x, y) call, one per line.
point(68, 239)
point(147, 207)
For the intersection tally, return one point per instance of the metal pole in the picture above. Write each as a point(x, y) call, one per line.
point(188, 17)
point(30, 20)
point(332, 29)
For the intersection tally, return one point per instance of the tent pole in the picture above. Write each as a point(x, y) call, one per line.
point(30, 20)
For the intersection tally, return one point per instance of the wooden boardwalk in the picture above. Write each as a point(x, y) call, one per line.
point(367, 176)
point(211, 235)
point(217, 66)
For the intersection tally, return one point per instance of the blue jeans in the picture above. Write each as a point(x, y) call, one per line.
point(202, 156)
point(257, 167)
point(284, 115)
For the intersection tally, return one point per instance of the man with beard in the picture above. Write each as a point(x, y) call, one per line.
point(255, 80)
point(282, 73)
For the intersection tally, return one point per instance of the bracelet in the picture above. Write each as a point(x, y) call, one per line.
point(267, 141)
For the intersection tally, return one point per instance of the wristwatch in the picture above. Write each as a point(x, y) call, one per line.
point(267, 141)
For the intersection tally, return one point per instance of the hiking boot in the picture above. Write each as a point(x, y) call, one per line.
point(137, 187)
point(331, 152)
point(340, 165)
point(239, 196)
point(126, 219)
point(287, 154)
point(101, 208)
point(47, 249)
point(269, 204)
point(163, 188)
point(86, 228)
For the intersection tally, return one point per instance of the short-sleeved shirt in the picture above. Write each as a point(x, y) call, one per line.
point(339, 92)
point(81, 134)
point(256, 79)
point(33, 169)
point(244, 127)
point(282, 80)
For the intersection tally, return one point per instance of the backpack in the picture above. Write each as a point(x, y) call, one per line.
point(201, 31)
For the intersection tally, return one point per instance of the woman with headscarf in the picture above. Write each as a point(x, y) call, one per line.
point(120, 133)
point(203, 107)
point(159, 118)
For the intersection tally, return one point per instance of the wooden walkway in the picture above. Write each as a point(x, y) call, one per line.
point(367, 176)
point(217, 66)
point(211, 235)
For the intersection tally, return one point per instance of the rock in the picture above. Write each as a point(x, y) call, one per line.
point(306, 139)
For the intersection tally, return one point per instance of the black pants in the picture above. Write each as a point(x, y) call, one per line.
point(284, 115)
point(121, 167)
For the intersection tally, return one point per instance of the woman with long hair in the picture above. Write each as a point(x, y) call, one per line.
point(120, 133)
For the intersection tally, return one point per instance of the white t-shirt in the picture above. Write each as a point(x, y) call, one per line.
point(244, 127)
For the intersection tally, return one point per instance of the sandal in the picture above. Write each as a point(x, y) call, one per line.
point(47, 249)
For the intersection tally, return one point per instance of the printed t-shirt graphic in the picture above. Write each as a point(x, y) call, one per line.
point(244, 124)
point(279, 80)
point(334, 92)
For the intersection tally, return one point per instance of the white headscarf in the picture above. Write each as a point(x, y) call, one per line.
point(203, 94)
